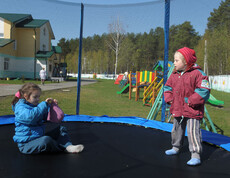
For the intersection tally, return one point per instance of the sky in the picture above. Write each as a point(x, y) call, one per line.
point(135, 16)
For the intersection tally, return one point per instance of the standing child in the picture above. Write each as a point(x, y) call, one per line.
point(30, 130)
point(186, 91)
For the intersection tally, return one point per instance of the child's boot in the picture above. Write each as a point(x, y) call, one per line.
point(194, 162)
point(171, 152)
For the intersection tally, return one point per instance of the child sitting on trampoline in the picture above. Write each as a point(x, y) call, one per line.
point(186, 91)
point(29, 130)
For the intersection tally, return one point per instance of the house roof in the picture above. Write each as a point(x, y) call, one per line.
point(32, 23)
point(26, 21)
point(48, 54)
point(14, 18)
point(4, 42)
point(35, 23)
point(57, 49)
point(44, 54)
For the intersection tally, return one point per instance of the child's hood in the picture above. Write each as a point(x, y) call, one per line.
point(189, 55)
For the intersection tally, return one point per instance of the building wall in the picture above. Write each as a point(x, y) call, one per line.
point(17, 67)
point(51, 65)
point(37, 40)
point(25, 42)
point(44, 38)
point(7, 27)
point(59, 58)
point(13, 34)
point(8, 50)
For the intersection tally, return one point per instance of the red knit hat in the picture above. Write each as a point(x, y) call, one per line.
point(189, 55)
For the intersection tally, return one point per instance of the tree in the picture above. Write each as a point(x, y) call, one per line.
point(218, 34)
point(159, 43)
point(71, 60)
point(220, 17)
point(65, 47)
point(126, 53)
point(218, 51)
point(135, 51)
point(116, 35)
point(182, 35)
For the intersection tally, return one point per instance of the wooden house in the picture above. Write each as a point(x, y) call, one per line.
point(25, 46)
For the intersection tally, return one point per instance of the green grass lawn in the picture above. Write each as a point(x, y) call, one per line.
point(19, 81)
point(101, 99)
point(96, 99)
point(221, 115)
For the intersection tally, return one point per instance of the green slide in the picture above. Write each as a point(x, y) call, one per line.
point(212, 100)
point(125, 89)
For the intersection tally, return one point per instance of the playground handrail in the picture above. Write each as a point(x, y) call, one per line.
point(149, 89)
point(157, 88)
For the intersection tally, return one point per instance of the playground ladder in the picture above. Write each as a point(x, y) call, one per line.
point(152, 91)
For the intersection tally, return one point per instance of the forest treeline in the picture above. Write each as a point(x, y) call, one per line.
point(141, 51)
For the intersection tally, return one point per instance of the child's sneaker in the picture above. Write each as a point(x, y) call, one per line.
point(74, 148)
point(194, 162)
point(171, 152)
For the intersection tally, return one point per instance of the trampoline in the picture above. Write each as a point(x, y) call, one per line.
point(115, 147)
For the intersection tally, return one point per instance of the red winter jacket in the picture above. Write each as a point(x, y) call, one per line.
point(187, 92)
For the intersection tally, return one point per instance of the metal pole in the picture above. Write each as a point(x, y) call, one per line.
point(79, 61)
point(205, 58)
point(166, 30)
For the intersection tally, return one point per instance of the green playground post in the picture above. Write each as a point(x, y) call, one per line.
point(210, 120)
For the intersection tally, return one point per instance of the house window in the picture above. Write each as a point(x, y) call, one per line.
point(6, 63)
point(15, 45)
point(44, 32)
point(43, 47)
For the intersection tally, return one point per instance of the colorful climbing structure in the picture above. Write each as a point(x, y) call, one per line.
point(143, 80)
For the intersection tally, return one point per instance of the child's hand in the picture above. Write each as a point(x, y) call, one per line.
point(49, 100)
point(56, 101)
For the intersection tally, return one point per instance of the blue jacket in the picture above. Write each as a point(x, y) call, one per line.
point(29, 120)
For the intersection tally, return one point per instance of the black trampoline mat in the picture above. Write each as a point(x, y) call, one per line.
point(114, 151)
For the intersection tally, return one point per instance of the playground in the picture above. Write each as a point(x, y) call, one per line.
point(152, 84)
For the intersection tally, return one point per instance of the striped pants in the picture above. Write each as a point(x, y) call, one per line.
point(193, 132)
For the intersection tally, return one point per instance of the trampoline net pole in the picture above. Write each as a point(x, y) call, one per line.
point(79, 61)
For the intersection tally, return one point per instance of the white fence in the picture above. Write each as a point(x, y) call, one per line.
point(220, 82)
point(99, 76)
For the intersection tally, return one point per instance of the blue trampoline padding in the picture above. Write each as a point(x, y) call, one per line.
point(8, 119)
point(210, 137)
